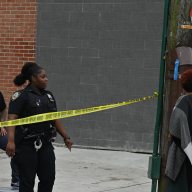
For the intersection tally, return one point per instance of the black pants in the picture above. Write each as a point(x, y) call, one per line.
point(14, 170)
point(14, 167)
point(32, 163)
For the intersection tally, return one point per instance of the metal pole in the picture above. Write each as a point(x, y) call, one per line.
point(161, 88)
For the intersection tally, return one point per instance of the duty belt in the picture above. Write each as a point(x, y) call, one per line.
point(38, 144)
point(37, 137)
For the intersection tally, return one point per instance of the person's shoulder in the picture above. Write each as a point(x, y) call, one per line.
point(184, 101)
point(18, 94)
point(187, 98)
point(48, 92)
point(50, 95)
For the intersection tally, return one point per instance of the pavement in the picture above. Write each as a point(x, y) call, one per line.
point(90, 170)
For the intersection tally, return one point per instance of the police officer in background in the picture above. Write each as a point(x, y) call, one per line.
point(31, 144)
point(3, 133)
point(3, 143)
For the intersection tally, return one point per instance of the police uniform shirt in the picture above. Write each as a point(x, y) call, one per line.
point(2, 102)
point(29, 102)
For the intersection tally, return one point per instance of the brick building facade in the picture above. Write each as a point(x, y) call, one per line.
point(17, 39)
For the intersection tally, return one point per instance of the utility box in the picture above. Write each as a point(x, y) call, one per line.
point(154, 167)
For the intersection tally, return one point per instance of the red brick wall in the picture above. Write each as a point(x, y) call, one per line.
point(17, 39)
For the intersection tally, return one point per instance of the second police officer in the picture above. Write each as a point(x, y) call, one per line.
point(31, 143)
point(3, 144)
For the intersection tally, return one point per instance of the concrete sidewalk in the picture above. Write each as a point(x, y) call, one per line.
point(85, 170)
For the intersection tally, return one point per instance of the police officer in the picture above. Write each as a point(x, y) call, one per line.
point(3, 143)
point(3, 132)
point(34, 151)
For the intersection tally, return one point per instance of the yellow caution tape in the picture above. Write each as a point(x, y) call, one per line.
point(65, 114)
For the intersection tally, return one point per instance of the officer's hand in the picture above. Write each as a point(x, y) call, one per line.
point(68, 143)
point(10, 149)
point(3, 131)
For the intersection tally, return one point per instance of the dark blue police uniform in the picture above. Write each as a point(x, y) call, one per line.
point(34, 150)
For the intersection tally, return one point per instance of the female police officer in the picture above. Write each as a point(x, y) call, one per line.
point(34, 150)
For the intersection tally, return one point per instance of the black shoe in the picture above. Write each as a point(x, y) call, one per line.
point(15, 185)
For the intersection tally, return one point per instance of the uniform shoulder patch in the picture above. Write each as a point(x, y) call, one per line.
point(15, 95)
point(50, 97)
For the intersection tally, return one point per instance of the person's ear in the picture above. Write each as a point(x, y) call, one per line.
point(33, 78)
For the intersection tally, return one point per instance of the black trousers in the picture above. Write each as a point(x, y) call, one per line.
point(14, 167)
point(32, 163)
point(14, 170)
